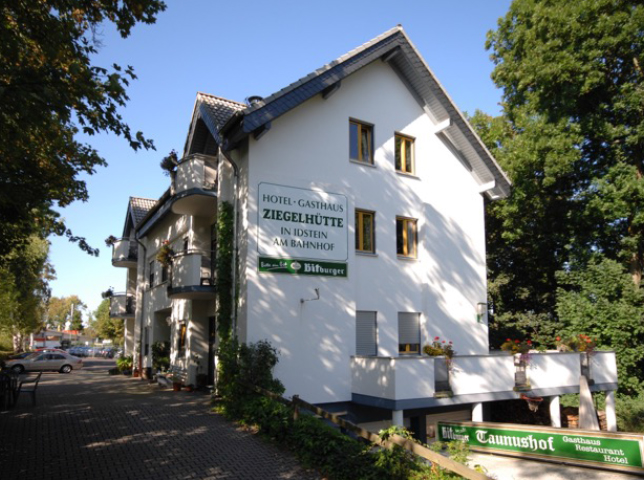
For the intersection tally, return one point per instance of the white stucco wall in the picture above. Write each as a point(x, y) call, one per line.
point(309, 148)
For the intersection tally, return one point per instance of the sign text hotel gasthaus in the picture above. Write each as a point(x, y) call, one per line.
point(302, 231)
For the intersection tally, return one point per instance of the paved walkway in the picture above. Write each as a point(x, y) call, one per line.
point(88, 425)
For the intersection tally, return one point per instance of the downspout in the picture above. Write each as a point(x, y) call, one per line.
point(145, 256)
point(235, 238)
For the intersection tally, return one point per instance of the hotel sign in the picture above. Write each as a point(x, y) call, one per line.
point(301, 231)
point(607, 450)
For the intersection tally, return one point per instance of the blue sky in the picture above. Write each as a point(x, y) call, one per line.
point(235, 50)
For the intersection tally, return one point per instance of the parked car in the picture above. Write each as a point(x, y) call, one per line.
point(77, 351)
point(18, 356)
point(49, 349)
point(57, 361)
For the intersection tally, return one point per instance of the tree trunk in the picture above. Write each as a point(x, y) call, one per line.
point(18, 342)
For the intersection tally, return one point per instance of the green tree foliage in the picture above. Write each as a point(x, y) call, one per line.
point(529, 234)
point(105, 327)
point(24, 290)
point(600, 300)
point(224, 265)
point(60, 311)
point(578, 64)
point(49, 92)
point(571, 138)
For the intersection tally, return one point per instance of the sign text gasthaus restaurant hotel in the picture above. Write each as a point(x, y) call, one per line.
point(302, 231)
point(615, 451)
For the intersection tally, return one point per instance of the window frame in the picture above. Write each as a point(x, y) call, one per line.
point(151, 275)
point(410, 348)
point(403, 164)
point(369, 128)
point(405, 239)
point(359, 231)
point(375, 332)
point(182, 334)
point(165, 273)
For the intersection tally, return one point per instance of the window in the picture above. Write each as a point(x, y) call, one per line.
point(360, 142)
point(365, 232)
point(164, 273)
point(181, 339)
point(366, 333)
point(408, 332)
point(404, 154)
point(406, 238)
point(152, 274)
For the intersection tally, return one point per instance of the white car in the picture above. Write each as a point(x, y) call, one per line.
point(58, 361)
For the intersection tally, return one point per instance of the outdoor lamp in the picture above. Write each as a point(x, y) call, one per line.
point(481, 310)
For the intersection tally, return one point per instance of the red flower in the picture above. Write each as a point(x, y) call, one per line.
point(508, 340)
point(529, 342)
point(436, 338)
point(516, 341)
point(443, 341)
point(558, 339)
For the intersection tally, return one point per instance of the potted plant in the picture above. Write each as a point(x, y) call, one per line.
point(583, 344)
point(445, 349)
point(109, 293)
point(124, 364)
point(521, 351)
point(177, 382)
point(169, 163)
point(165, 254)
point(111, 240)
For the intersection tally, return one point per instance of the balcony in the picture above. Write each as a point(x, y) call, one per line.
point(400, 383)
point(195, 186)
point(192, 277)
point(125, 253)
point(122, 306)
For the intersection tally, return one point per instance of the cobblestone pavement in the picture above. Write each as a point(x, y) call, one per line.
point(88, 425)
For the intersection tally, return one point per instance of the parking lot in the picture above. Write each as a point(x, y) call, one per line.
point(91, 425)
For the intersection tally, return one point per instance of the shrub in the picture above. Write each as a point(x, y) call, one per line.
point(125, 363)
point(318, 445)
point(630, 414)
point(161, 355)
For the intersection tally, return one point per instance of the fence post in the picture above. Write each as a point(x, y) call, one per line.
point(296, 408)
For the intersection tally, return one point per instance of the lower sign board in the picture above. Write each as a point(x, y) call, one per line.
point(615, 451)
point(302, 267)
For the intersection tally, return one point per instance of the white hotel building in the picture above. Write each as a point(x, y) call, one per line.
point(359, 196)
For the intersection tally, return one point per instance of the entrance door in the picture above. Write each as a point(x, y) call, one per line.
point(212, 337)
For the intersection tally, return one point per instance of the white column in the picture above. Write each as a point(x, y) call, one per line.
point(397, 418)
point(477, 412)
point(611, 417)
point(555, 412)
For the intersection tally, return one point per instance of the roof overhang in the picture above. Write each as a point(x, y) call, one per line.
point(230, 122)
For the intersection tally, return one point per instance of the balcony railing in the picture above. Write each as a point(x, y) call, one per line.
point(125, 253)
point(419, 381)
point(192, 276)
point(122, 306)
point(195, 186)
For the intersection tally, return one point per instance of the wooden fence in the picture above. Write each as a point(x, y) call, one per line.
point(297, 403)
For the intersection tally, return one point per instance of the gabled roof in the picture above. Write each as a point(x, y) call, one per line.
point(230, 122)
point(139, 207)
point(215, 112)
